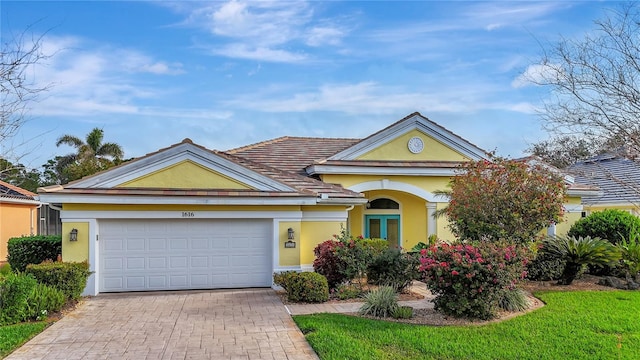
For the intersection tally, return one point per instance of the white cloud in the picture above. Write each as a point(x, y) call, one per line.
point(242, 51)
point(535, 73)
point(88, 80)
point(264, 30)
point(321, 35)
point(373, 98)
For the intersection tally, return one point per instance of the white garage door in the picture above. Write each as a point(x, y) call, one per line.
point(172, 254)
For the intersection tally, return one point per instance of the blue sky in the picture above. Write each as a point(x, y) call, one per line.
point(226, 74)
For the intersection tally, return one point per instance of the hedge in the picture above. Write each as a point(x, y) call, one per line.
point(27, 250)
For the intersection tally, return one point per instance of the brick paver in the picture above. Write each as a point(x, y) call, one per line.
point(219, 324)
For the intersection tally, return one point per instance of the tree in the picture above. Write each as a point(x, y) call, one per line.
point(503, 199)
point(91, 156)
point(19, 175)
point(595, 81)
point(562, 151)
point(17, 90)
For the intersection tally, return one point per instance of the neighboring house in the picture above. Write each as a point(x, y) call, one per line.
point(618, 178)
point(18, 214)
point(186, 217)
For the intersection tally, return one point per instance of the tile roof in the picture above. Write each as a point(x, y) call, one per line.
point(11, 191)
point(617, 177)
point(303, 186)
point(292, 154)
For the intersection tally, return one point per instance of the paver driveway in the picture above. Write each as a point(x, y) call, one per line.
point(218, 324)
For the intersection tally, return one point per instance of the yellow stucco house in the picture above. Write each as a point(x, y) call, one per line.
point(186, 217)
point(18, 214)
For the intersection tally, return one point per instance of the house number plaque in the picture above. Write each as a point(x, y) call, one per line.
point(188, 214)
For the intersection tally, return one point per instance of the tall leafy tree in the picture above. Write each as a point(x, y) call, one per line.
point(503, 199)
point(92, 155)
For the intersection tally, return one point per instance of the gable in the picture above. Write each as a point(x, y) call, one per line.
point(397, 149)
point(185, 175)
point(380, 145)
point(182, 166)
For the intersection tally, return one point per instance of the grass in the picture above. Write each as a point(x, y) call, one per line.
point(13, 336)
point(573, 325)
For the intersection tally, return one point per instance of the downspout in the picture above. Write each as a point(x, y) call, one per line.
point(349, 222)
point(31, 217)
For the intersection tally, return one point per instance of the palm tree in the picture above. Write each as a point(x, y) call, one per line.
point(90, 157)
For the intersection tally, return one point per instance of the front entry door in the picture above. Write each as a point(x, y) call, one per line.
point(383, 227)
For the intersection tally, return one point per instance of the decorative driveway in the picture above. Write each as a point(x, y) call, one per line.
point(217, 324)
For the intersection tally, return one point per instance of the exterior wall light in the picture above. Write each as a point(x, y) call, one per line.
point(291, 235)
point(73, 235)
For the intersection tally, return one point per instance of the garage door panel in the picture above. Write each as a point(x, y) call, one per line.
point(138, 255)
point(157, 263)
point(157, 244)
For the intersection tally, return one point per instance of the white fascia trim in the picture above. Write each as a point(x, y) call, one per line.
point(629, 204)
point(584, 192)
point(386, 184)
point(415, 122)
point(176, 155)
point(377, 170)
point(341, 201)
point(573, 208)
point(173, 200)
point(69, 215)
point(324, 215)
point(19, 201)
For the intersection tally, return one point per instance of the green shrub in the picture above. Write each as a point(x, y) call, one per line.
point(402, 312)
point(393, 268)
point(15, 290)
point(345, 292)
point(612, 225)
point(68, 277)
point(630, 253)
point(469, 280)
point(44, 300)
point(307, 287)
point(578, 252)
point(545, 267)
point(377, 246)
point(514, 300)
point(381, 302)
point(33, 250)
point(284, 278)
point(5, 270)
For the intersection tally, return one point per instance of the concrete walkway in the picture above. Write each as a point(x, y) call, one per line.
point(218, 324)
point(352, 307)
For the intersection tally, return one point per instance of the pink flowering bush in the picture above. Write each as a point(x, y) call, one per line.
point(469, 280)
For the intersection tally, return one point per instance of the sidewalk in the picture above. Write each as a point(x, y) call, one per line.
point(352, 307)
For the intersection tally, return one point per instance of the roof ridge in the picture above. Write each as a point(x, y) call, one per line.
point(254, 145)
point(17, 189)
point(283, 138)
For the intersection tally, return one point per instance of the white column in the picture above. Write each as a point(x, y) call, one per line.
point(432, 224)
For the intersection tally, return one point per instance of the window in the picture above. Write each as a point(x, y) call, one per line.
point(383, 203)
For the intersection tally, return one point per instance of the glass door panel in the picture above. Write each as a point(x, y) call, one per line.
point(385, 227)
point(393, 232)
point(374, 228)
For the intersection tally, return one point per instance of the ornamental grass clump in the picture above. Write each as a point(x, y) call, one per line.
point(381, 302)
point(471, 280)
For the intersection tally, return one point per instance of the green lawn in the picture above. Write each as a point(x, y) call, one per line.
point(573, 325)
point(13, 336)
